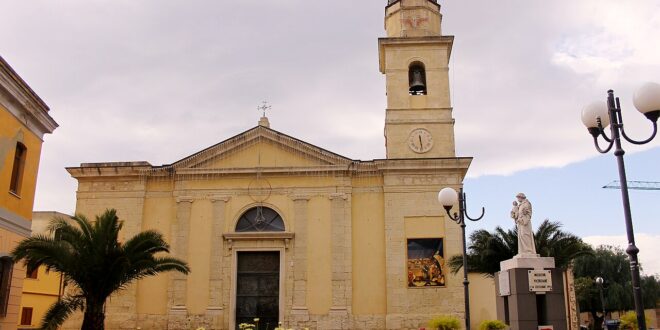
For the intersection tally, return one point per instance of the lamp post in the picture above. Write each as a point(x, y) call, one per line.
point(448, 197)
point(596, 117)
point(599, 282)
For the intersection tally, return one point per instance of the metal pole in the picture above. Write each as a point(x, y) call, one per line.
point(602, 300)
point(632, 249)
point(466, 282)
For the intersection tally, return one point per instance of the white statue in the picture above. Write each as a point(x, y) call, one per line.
point(522, 215)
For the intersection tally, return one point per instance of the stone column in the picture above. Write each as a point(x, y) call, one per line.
point(341, 254)
point(300, 218)
point(215, 269)
point(180, 233)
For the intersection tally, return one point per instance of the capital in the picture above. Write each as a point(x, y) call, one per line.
point(338, 196)
point(296, 198)
point(184, 199)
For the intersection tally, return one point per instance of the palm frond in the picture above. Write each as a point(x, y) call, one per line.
point(149, 241)
point(60, 311)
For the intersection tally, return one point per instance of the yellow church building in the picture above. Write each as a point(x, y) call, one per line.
point(278, 229)
point(24, 120)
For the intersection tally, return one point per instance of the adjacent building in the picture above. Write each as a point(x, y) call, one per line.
point(279, 229)
point(41, 288)
point(24, 120)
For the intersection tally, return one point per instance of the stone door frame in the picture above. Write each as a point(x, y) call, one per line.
point(234, 277)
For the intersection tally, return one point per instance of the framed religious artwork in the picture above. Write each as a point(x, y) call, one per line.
point(426, 262)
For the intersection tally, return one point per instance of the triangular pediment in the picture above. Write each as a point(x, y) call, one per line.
point(261, 147)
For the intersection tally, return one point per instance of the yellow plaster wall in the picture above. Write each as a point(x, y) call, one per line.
point(40, 305)
point(46, 283)
point(368, 254)
point(482, 299)
point(199, 256)
point(40, 294)
point(319, 254)
point(12, 131)
point(152, 291)
point(425, 227)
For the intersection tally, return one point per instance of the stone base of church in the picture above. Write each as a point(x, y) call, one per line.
point(295, 320)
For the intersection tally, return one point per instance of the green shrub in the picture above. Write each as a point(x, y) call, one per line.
point(445, 323)
point(629, 321)
point(492, 325)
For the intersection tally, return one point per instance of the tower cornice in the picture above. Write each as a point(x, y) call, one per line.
point(447, 41)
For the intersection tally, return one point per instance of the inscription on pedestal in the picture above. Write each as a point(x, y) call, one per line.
point(540, 281)
point(504, 284)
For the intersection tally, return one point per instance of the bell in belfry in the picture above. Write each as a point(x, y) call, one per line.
point(417, 85)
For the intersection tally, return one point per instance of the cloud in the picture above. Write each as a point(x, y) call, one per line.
point(523, 71)
point(647, 244)
point(157, 80)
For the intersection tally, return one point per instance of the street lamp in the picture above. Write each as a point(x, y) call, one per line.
point(599, 282)
point(448, 197)
point(596, 117)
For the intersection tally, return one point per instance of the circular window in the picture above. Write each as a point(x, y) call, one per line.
point(258, 219)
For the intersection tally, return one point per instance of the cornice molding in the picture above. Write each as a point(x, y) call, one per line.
point(15, 223)
point(219, 198)
point(23, 103)
point(446, 41)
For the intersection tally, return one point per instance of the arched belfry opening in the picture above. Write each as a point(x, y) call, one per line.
point(417, 79)
point(260, 219)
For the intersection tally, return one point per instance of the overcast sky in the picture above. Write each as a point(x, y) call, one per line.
point(157, 80)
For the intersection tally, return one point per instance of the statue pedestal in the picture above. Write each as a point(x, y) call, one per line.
point(530, 293)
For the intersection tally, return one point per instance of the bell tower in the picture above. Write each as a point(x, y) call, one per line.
point(414, 58)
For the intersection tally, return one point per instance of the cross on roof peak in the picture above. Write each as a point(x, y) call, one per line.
point(263, 108)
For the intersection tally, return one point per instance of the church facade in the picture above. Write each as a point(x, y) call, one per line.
point(278, 229)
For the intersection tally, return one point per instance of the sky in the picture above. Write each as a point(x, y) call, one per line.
point(158, 80)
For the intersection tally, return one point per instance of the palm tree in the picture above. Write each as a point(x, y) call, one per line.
point(486, 250)
point(91, 258)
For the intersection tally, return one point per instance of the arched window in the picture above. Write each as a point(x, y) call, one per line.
point(260, 219)
point(417, 79)
point(17, 170)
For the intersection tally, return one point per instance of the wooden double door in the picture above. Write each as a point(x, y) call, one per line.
point(258, 288)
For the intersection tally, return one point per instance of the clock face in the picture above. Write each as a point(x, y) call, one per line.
point(420, 141)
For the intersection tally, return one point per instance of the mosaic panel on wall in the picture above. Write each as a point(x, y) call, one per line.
point(426, 263)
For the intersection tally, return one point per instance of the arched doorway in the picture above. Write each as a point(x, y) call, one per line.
point(258, 272)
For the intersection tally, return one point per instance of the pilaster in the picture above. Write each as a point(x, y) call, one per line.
point(180, 233)
point(341, 255)
point(218, 216)
point(395, 260)
point(300, 218)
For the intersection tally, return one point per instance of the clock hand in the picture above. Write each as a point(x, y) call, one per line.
point(420, 142)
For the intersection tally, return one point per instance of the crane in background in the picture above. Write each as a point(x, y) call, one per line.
point(634, 185)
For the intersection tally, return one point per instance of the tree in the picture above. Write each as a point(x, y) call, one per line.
point(91, 258)
point(612, 265)
point(487, 249)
